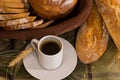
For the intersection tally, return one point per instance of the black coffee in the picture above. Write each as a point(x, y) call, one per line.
point(50, 48)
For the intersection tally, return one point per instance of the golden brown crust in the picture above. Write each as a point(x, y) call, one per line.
point(110, 11)
point(52, 9)
point(92, 38)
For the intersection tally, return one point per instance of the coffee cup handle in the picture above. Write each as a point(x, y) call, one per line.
point(34, 43)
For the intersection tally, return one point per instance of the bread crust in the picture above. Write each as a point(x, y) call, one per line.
point(24, 26)
point(110, 11)
point(10, 10)
point(17, 21)
point(45, 24)
point(92, 38)
point(53, 9)
point(14, 5)
point(13, 16)
point(12, 1)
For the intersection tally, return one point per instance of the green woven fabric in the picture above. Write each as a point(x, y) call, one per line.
point(106, 68)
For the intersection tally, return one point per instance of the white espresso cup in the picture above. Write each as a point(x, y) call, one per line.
point(49, 51)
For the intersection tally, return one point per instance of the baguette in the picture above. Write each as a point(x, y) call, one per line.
point(24, 26)
point(14, 5)
point(92, 38)
point(110, 11)
point(13, 16)
point(10, 10)
point(17, 21)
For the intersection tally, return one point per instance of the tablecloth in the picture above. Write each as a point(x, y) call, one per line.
point(106, 68)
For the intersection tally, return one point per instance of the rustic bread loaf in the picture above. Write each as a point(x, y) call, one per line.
point(13, 16)
point(53, 9)
point(92, 38)
point(110, 11)
point(17, 21)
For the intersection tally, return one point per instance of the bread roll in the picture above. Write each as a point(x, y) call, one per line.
point(110, 11)
point(53, 9)
point(92, 38)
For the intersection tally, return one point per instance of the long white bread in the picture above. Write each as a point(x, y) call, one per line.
point(17, 21)
point(13, 16)
point(11, 10)
point(24, 26)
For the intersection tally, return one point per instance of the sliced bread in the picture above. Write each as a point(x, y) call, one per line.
point(13, 16)
point(24, 26)
point(17, 21)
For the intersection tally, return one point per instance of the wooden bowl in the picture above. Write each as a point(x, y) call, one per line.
point(71, 22)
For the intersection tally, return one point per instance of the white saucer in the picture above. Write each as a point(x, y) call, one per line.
point(69, 63)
